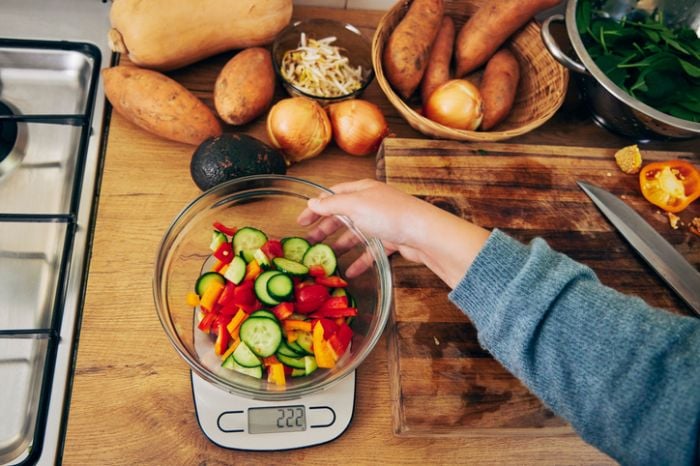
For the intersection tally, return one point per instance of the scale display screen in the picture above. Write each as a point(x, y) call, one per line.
point(276, 419)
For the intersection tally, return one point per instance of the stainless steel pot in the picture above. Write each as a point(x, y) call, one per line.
point(612, 107)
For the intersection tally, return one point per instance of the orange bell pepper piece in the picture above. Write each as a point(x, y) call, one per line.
point(211, 296)
point(293, 324)
point(275, 374)
point(322, 352)
point(234, 326)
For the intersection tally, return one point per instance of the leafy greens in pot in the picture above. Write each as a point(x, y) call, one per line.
point(655, 64)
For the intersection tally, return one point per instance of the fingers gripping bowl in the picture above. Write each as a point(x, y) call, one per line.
point(272, 204)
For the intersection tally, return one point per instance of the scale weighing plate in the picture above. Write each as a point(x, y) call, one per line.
point(240, 423)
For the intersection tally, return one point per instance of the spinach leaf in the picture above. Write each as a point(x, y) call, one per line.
point(657, 65)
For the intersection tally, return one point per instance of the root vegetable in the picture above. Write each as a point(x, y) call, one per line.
point(456, 104)
point(159, 104)
point(491, 25)
point(498, 87)
point(407, 50)
point(438, 69)
point(245, 86)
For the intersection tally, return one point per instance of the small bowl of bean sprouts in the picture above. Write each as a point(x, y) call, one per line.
point(322, 59)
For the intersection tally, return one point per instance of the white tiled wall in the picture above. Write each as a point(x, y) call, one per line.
point(350, 4)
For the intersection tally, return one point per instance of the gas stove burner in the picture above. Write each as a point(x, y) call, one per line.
point(12, 140)
point(8, 132)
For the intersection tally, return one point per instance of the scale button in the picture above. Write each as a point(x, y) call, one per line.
point(231, 421)
point(321, 416)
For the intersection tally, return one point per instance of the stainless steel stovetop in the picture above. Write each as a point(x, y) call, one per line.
point(51, 132)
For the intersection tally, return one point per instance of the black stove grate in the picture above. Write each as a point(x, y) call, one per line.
point(8, 132)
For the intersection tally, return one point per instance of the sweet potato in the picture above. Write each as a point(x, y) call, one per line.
point(491, 25)
point(406, 52)
point(438, 69)
point(169, 34)
point(159, 104)
point(245, 86)
point(498, 86)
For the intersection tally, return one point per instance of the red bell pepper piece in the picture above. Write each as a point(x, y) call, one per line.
point(272, 248)
point(207, 321)
point(317, 270)
point(332, 282)
point(227, 296)
point(222, 339)
point(329, 327)
point(340, 340)
point(283, 310)
point(224, 253)
point(334, 313)
point(334, 302)
point(224, 229)
point(310, 297)
point(244, 296)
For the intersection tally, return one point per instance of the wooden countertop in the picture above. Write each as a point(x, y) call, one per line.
point(131, 398)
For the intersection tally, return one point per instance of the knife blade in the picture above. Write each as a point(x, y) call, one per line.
point(671, 266)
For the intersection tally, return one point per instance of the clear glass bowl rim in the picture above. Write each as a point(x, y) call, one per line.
point(160, 294)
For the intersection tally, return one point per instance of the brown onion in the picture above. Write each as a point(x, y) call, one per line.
point(456, 104)
point(299, 127)
point(358, 126)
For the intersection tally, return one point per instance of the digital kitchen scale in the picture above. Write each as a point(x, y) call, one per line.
point(231, 421)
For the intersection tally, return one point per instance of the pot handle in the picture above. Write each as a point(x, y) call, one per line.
point(554, 49)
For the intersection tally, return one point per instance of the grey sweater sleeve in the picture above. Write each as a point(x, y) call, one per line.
point(624, 374)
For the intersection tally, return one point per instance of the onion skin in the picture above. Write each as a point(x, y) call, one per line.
point(299, 127)
point(456, 104)
point(359, 126)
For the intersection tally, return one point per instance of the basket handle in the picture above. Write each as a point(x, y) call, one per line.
point(554, 49)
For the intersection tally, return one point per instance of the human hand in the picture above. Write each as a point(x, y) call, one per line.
point(419, 231)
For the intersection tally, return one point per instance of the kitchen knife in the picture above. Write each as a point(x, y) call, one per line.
point(671, 266)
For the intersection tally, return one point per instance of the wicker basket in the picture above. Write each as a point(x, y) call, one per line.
point(541, 90)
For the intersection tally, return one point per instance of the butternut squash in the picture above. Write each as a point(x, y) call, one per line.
point(167, 34)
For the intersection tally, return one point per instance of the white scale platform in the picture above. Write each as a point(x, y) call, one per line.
point(240, 423)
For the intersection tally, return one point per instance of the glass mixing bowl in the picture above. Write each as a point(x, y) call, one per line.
point(270, 203)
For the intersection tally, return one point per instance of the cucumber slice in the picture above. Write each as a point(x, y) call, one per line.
point(260, 287)
point(310, 364)
point(294, 248)
point(217, 238)
point(246, 241)
point(286, 350)
point(205, 280)
point(294, 346)
point(262, 259)
point(298, 372)
point(262, 335)
point(321, 254)
point(231, 363)
point(289, 266)
point(280, 286)
point(297, 363)
point(305, 342)
point(264, 313)
point(236, 270)
point(245, 357)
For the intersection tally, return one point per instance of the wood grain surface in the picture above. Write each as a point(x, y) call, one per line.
point(131, 400)
point(446, 384)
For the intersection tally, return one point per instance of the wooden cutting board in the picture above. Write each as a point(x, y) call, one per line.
point(443, 382)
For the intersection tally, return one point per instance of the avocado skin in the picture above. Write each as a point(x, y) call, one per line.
point(223, 158)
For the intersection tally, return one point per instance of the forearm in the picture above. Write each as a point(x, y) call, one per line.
point(625, 375)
